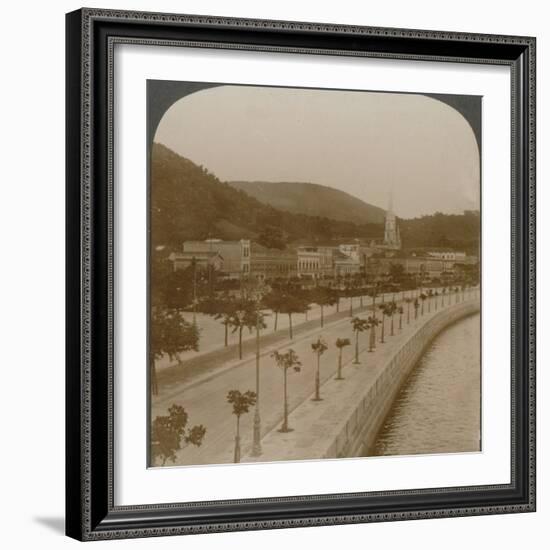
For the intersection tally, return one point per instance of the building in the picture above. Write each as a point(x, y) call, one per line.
point(392, 238)
point(346, 265)
point(421, 267)
point(315, 261)
point(269, 263)
point(450, 255)
point(203, 260)
point(235, 254)
point(352, 251)
point(392, 235)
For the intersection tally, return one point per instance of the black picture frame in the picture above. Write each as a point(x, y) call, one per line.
point(90, 511)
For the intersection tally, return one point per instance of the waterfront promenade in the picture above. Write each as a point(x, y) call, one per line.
point(203, 392)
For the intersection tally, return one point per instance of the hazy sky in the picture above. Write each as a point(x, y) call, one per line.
point(363, 143)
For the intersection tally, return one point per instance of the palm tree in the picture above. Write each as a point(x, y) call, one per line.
point(241, 404)
point(221, 309)
point(319, 347)
point(341, 343)
point(273, 301)
point(408, 302)
point(359, 325)
point(350, 293)
point(285, 361)
point(293, 302)
point(423, 299)
point(373, 294)
point(373, 323)
point(246, 316)
point(323, 296)
point(237, 321)
point(383, 309)
point(392, 308)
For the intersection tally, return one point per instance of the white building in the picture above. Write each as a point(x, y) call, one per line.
point(448, 255)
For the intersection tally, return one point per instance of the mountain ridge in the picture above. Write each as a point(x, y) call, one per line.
point(312, 199)
point(188, 202)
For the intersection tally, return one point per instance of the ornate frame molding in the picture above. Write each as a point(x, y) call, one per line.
point(91, 36)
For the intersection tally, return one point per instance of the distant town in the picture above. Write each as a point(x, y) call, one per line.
point(379, 260)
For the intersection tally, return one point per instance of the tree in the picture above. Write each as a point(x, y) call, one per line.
point(384, 310)
point(338, 291)
point(291, 303)
point(164, 288)
point(350, 292)
point(238, 320)
point(397, 272)
point(318, 348)
point(168, 432)
point(423, 298)
point(373, 294)
point(408, 302)
point(221, 308)
point(285, 361)
point(274, 301)
point(170, 335)
point(241, 405)
point(244, 316)
point(341, 343)
point(390, 312)
point(359, 325)
point(373, 323)
point(323, 296)
point(272, 237)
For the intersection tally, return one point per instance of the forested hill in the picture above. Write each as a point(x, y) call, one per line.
point(456, 231)
point(188, 202)
point(312, 199)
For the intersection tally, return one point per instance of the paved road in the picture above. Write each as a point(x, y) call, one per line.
point(206, 402)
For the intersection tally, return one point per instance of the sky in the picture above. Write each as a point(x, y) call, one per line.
point(367, 144)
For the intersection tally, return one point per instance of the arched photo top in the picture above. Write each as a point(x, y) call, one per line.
point(425, 148)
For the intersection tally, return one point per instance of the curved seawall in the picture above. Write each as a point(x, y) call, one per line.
point(346, 422)
point(359, 431)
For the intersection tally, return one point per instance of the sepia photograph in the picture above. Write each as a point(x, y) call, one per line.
point(313, 273)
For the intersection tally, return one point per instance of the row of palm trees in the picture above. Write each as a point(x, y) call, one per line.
point(290, 362)
point(236, 314)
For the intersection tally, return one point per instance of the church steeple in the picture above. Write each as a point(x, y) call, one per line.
point(392, 238)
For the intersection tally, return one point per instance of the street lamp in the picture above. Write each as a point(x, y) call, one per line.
point(257, 423)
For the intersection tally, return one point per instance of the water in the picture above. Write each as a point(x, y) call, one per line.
point(438, 408)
